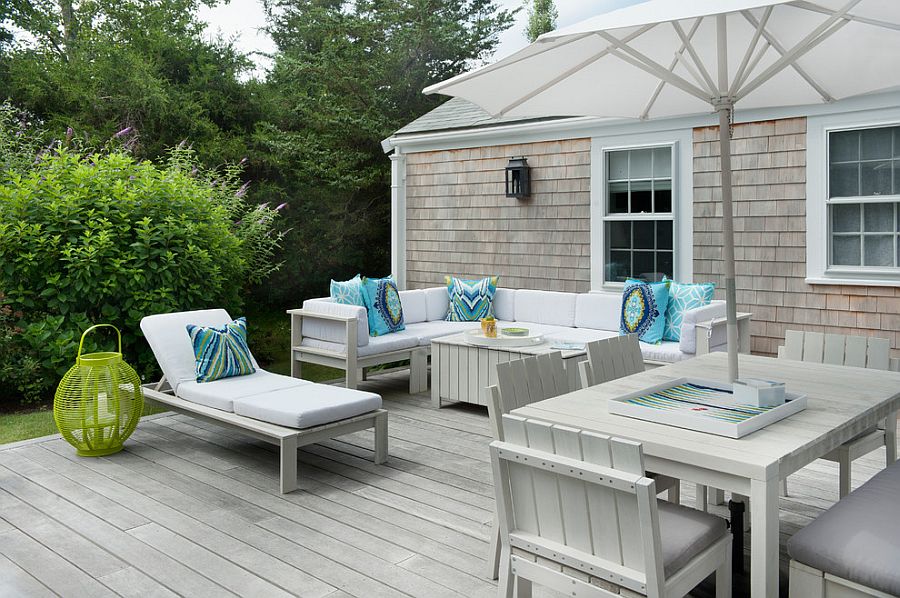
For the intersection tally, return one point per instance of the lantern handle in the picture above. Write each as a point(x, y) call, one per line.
point(94, 327)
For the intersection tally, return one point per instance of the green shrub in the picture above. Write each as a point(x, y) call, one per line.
point(101, 237)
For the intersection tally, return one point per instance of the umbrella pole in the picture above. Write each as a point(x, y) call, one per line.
point(728, 239)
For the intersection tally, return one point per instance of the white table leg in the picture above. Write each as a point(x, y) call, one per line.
point(763, 537)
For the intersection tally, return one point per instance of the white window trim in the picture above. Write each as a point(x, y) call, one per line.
point(817, 232)
point(681, 142)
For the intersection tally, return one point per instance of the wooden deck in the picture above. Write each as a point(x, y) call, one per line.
point(191, 509)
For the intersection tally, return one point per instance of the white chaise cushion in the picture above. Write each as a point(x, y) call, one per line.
point(599, 311)
point(331, 330)
point(221, 394)
point(505, 304)
point(307, 406)
point(437, 303)
point(168, 338)
point(688, 342)
point(414, 306)
point(545, 307)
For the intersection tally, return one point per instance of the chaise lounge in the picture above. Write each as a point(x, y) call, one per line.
point(281, 410)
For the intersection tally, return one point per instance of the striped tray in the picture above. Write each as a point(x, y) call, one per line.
point(704, 406)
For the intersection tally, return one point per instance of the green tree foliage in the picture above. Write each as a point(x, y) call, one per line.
point(346, 75)
point(89, 237)
point(542, 15)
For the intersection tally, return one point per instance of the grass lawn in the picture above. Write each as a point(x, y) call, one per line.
point(269, 339)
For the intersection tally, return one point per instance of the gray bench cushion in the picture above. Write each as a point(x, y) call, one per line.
point(858, 539)
point(685, 533)
point(307, 406)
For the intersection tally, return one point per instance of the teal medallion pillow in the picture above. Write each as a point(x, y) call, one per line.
point(683, 297)
point(644, 310)
point(383, 305)
point(470, 300)
point(221, 352)
point(348, 292)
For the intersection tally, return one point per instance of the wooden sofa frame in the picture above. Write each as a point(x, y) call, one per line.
point(288, 440)
point(809, 582)
point(355, 365)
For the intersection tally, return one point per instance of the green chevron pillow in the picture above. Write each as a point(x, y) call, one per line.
point(470, 300)
point(221, 352)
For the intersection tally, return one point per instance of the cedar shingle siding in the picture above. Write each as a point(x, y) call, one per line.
point(459, 222)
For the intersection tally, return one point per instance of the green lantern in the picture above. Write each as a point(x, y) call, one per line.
point(99, 401)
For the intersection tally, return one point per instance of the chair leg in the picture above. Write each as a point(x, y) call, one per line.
point(702, 502)
point(723, 576)
point(381, 438)
point(506, 583)
point(288, 464)
point(494, 550)
point(717, 496)
point(351, 378)
point(890, 437)
point(784, 490)
point(523, 587)
point(844, 464)
point(674, 493)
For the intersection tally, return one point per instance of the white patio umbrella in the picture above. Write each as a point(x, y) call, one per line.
point(678, 57)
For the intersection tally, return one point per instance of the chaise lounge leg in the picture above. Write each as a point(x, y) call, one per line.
point(288, 464)
point(381, 438)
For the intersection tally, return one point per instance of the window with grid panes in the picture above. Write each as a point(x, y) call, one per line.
point(638, 216)
point(864, 198)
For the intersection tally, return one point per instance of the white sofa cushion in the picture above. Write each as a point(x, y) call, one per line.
point(545, 307)
point(331, 330)
point(394, 341)
point(600, 311)
point(307, 406)
point(505, 304)
point(168, 338)
point(688, 342)
point(221, 394)
point(437, 303)
point(666, 352)
point(579, 335)
point(414, 306)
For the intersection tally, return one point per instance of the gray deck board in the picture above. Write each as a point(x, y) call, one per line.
point(190, 508)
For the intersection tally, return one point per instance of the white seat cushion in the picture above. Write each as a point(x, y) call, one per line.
point(666, 351)
point(580, 335)
point(394, 341)
point(414, 306)
point(437, 303)
point(168, 338)
point(600, 311)
point(545, 307)
point(308, 405)
point(428, 331)
point(221, 394)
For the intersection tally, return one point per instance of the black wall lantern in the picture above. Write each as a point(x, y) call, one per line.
point(518, 181)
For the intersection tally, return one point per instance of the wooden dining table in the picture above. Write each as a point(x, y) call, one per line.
point(842, 403)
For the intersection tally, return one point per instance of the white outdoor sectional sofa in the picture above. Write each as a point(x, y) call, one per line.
point(336, 335)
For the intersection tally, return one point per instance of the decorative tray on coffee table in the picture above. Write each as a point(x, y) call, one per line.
point(477, 338)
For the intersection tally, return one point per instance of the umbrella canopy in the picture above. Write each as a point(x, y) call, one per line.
point(663, 58)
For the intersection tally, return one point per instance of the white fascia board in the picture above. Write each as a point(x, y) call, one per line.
point(586, 126)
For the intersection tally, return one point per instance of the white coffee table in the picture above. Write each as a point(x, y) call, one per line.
point(460, 371)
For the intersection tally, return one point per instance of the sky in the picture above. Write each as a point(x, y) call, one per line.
point(243, 20)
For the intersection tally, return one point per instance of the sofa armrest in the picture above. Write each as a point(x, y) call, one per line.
point(713, 334)
point(328, 321)
point(711, 311)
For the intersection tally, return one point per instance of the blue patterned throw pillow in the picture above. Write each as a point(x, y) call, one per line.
point(683, 297)
point(348, 292)
point(470, 300)
point(221, 352)
point(644, 310)
point(383, 305)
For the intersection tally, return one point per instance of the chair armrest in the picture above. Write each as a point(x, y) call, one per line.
point(308, 313)
point(714, 333)
point(332, 322)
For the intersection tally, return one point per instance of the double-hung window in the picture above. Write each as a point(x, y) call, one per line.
point(864, 200)
point(638, 217)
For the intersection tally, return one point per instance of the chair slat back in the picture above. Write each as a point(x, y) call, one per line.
point(837, 349)
point(611, 358)
point(583, 491)
point(525, 381)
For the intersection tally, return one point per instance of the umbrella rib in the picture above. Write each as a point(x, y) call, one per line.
point(647, 64)
point(693, 53)
point(859, 19)
point(770, 39)
point(817, 36)
point(661, 84)
point(566, 74)
point(739, 76)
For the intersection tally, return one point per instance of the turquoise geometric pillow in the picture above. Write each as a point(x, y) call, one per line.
point(683, 297)
point(348, 292)
point(383, 305)
point(470, 300)
point(221, 352)
point(644, 310)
